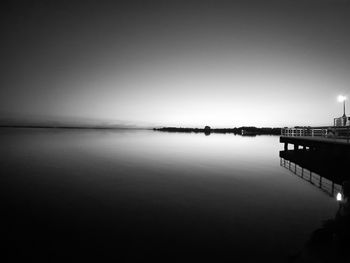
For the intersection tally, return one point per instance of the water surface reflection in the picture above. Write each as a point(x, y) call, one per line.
point(126, 195)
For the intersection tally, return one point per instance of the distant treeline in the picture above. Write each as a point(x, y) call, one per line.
point(245, 130)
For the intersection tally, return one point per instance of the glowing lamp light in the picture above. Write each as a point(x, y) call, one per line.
point(339, 197)
point(341, 98)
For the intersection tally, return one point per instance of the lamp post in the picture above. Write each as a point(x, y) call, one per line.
point(339, 198)
point(342, 98)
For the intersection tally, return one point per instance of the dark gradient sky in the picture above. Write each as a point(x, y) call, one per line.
point(218, 63)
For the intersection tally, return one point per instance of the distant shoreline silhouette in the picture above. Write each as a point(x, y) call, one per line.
point(245, 130)
point(74, 127)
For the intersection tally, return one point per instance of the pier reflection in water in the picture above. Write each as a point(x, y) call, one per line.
point(323, 170)
point(325, 184)
point(331, 241)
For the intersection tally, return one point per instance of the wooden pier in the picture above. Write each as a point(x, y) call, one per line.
point(318, 151)
point(324, 141)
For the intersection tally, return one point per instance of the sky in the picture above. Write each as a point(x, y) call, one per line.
point(175, 63)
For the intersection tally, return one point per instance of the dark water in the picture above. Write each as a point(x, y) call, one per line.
point(72, 195)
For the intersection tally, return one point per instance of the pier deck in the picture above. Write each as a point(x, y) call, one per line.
point(332, 145)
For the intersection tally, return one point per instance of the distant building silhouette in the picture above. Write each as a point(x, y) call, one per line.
point(342, 121)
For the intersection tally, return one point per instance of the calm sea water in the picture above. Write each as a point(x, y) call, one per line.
point(129, 194)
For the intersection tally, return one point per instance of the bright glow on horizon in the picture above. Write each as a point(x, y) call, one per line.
point(341, 98)
point(224, 64)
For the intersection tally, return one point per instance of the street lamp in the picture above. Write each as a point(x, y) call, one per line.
point(342, 98)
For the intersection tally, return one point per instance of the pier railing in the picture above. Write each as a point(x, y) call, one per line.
point(328, 132)
point(304, 131)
